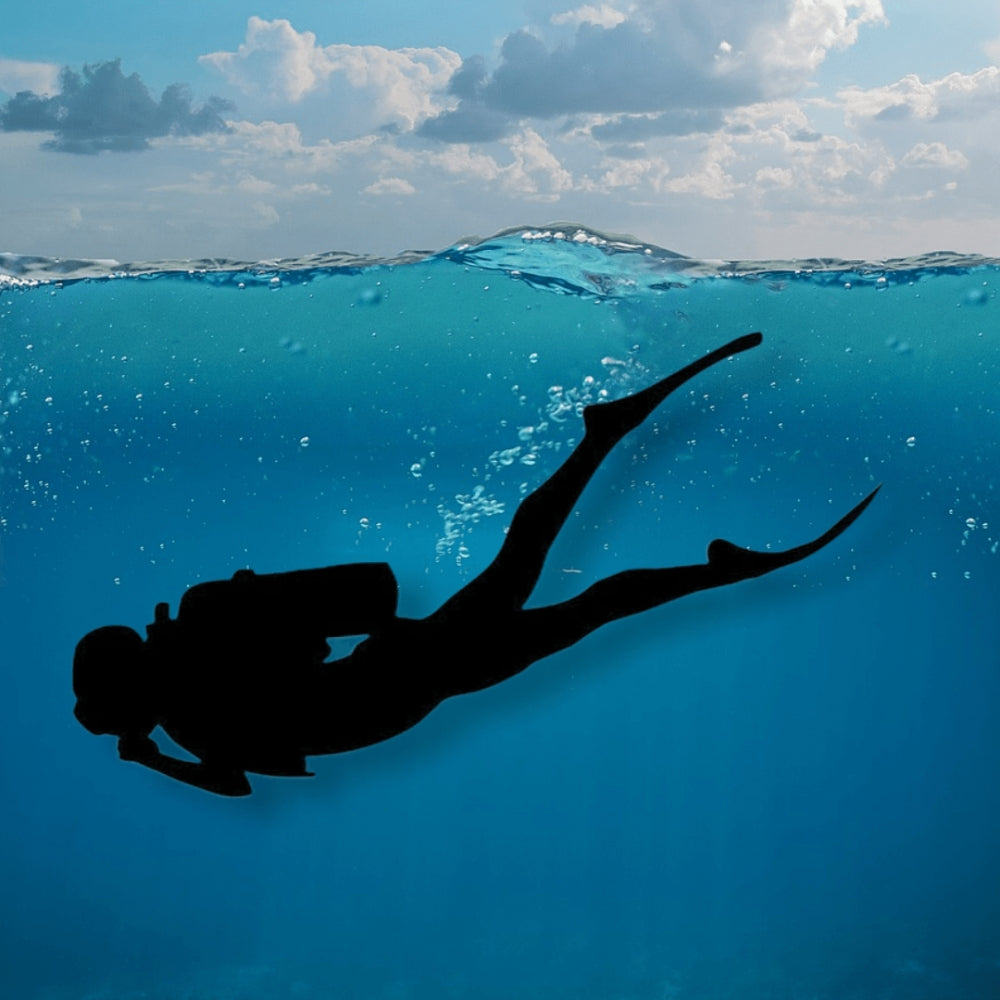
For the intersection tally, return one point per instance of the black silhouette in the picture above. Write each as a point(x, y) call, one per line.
point(239, 678)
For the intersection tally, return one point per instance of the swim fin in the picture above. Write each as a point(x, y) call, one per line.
point(736, 563)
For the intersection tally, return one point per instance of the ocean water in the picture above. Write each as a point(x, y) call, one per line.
point(782, 789)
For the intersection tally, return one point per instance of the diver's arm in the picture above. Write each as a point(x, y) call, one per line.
point(220, 780)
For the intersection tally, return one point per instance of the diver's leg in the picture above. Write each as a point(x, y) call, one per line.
point(509, 580)
point(539, 632)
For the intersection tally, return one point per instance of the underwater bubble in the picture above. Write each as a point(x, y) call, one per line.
point(911, 442)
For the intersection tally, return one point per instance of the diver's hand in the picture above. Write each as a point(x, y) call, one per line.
point(222, 780)
point(135, 747)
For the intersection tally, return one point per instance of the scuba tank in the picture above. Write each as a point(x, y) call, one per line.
point(306, 605)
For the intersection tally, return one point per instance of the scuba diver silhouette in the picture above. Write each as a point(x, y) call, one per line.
point(239, 678)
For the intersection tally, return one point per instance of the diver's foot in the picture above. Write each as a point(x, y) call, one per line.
point(737, 563)
point(617, 418)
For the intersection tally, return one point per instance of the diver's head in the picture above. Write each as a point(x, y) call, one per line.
point(111, 682)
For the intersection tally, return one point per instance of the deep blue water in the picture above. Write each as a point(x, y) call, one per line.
point(783, 789)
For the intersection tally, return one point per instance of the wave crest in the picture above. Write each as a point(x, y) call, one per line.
point(565, 258)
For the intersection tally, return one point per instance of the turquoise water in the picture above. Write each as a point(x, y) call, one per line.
point(782, 789)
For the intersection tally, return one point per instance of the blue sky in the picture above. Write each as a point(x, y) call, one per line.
point(717, 128)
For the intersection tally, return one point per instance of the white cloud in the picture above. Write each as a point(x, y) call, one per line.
point(391, 186)
point(709, 178)
point(402, 86)
point(811, 29)
point(957, 96)
point(776, 177)
point(461, 161)
point(273, 57)
point(711, 181)
point(38, 77)
point(530, 169)
point(631, 173)
point(281, 147)
point(535, 170)
point(604, 16)
point(779, 150)
point(992, 49)
point(935, 154)
point(268, 137)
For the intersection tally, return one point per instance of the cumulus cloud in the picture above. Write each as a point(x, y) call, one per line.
point(663, 57)
point(283, 64)
point(273, 57)
point(709, 178)
point(955, 97)
point(536, 171)
point(801, 41)
point(102, 109)
point(935, 154)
